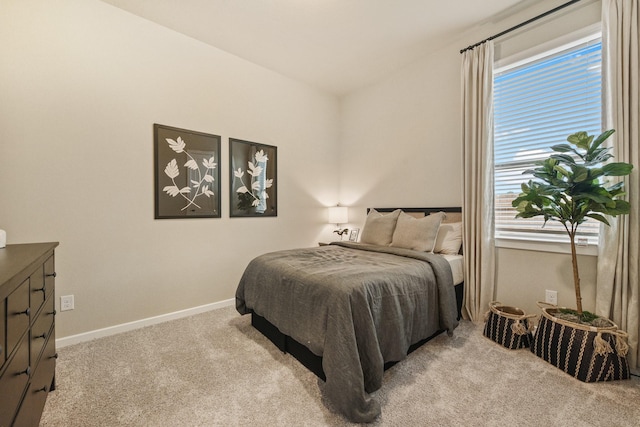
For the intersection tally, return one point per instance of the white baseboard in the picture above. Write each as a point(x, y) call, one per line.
point(124, 327)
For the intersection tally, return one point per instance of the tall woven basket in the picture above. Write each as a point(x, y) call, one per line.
point(508, 326)
point(585, 352)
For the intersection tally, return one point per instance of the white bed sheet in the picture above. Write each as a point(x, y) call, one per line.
point(457, 267)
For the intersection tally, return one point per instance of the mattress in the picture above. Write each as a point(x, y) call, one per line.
point(457, 267)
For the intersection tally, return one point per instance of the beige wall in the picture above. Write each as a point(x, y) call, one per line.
point(401, 146)
point(81, 85)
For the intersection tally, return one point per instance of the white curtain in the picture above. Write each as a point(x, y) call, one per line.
point(477, 211)
point(618, 288)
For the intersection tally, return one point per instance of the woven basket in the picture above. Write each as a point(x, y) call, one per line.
point(508, 326)
point(585, 352)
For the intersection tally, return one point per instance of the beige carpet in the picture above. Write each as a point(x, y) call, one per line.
point(214, 369)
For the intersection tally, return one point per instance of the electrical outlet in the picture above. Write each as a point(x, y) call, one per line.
point(66, 303)
point(551, 297)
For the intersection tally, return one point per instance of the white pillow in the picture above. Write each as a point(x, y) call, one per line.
point(418, 234)
point(378, 228)
point(449, 239)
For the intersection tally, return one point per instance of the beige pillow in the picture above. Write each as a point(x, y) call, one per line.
point(449, 239)
point(418, 234)
point(378, 228)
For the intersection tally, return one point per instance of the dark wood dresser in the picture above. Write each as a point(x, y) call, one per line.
point(27, 332)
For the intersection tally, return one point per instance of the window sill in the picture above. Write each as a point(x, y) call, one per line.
point(543, 246)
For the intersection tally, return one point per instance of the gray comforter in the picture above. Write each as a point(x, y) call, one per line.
point(356, 305)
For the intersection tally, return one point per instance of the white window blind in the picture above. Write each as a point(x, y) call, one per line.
point(537, 103)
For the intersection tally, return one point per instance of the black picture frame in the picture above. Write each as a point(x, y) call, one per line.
point(252, 174)
point(186, 173)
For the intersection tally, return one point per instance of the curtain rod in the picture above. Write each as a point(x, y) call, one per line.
point(520, 25)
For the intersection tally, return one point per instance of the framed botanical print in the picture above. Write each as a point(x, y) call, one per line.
point(253, 179)
point(187, 173)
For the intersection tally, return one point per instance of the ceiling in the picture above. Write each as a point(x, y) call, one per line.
point(335, 45)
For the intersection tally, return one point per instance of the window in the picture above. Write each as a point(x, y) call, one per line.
point(538, 102)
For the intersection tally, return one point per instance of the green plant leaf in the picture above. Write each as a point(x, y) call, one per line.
point(598, 217)
point(562, 148)
point(616, 186)
point(621, 207)
point(580, 140)
point(562, 171)
point(595, 173)
point(596, 197)
point(575, 138)
point(617, 169)
point(564, 158)
point(580, 173)
point(599, 155)
point(601, 138)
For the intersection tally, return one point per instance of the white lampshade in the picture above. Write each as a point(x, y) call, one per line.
point(338, 215)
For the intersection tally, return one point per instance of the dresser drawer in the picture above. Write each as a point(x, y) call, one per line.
point(33, 404)
point(45, 289)
point(18, 315)
point(13, 382)
point(41, 329)
point(38, 288)
point(3, 337)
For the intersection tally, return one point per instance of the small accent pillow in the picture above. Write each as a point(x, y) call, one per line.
point(418, 234)
point(449, 239)
point(378, 228)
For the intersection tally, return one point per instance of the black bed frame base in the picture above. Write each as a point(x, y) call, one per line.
point(312, 361)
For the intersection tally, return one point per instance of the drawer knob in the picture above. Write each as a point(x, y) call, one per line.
point(41, 389)
point(27, 312)
point(43, 336)
point(54, 274)
point(55, 356)
point(25, 372)
point(42, 289)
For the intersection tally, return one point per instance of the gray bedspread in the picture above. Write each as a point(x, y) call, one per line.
point(356, 305)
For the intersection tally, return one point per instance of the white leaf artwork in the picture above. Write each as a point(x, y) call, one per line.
point(172, 169)
point(209, 163)
point(171, 190)
point(206, 191)
point(177, 146)
point(256, 168)
point(261, 157)
point(200, 188)
point(191, 164)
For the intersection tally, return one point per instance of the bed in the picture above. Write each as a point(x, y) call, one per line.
point(349, 310)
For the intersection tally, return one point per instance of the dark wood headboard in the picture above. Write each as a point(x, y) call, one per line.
point(454, 213)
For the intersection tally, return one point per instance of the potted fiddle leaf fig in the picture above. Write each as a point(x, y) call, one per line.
point(569, 187)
